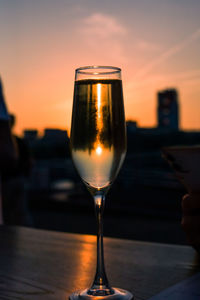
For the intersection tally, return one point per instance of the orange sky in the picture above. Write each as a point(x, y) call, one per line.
point(156, 44)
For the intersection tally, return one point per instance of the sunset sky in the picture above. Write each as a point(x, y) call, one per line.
point(42, 42)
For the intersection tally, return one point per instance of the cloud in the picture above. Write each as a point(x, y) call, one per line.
point(103, 26)
point(168, 53)
point(102, 35)
point(147, 46)
point(186, 77)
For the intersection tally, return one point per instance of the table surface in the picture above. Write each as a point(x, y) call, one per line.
point(38, 264)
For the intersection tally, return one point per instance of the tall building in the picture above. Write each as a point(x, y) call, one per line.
point(168, 109)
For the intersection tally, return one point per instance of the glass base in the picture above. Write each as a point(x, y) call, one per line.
point(118, 294)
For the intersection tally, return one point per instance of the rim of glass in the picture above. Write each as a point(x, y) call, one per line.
point(111, 70)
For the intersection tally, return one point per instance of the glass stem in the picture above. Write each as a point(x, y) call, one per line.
point(100, 285)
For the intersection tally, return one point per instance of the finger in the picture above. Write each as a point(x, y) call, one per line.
point(194, 241)
point(191, 204)
point(192, 236)
point(191, 225)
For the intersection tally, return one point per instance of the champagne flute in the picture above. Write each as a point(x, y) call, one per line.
point(98, 148)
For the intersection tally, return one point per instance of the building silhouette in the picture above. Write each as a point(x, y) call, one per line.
point(168, 109)
point(30, 135)
point(55, 135)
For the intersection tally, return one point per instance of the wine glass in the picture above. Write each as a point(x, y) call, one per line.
point(98, 148)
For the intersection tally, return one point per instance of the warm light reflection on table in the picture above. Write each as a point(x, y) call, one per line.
point(85, 262)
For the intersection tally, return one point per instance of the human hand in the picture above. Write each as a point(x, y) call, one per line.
point(191, 219)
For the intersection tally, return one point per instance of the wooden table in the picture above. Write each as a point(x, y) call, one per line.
point(38, 264)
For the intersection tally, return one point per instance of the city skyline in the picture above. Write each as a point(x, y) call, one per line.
point(156, 44)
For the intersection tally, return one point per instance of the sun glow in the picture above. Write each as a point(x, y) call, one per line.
point(99, 150)
point(99, 102)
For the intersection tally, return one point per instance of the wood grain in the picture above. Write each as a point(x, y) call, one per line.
point(38, 264)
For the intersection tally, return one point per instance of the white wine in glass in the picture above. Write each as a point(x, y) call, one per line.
point(98, 148)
